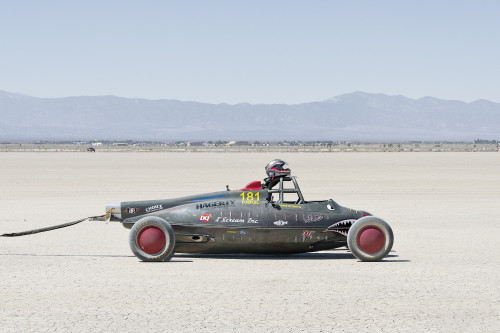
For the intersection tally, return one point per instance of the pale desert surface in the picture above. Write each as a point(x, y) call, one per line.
point(442, 275)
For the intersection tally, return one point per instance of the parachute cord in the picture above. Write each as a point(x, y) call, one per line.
point(59, 226)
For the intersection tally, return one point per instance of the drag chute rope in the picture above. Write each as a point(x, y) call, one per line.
point(59, 226)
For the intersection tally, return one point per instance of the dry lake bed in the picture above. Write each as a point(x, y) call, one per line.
point(442, 275)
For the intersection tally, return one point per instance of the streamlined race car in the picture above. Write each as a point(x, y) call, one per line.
point(271, 217)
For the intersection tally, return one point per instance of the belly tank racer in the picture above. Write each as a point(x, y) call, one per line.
point(264, 217)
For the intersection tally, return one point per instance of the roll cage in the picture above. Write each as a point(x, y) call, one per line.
point(282, 190)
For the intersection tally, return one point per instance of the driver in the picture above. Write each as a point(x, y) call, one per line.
point(274, 170)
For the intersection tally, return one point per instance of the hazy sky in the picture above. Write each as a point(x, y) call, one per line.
point(250, 51)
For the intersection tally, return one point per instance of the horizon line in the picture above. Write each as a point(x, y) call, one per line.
point(328, 100)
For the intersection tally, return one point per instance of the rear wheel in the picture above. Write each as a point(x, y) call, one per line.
point(152, 239)
point(370, 238)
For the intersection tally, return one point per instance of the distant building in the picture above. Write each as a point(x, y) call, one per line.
point(96, 144)
point(195, 144)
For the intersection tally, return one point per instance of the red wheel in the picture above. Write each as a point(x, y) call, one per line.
point(370, 238)
point(152, 239)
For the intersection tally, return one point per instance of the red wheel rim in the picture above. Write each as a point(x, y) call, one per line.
point(151, 240)
point(371, 239)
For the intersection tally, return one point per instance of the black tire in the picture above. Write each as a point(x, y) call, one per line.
point(152, 239)
point(370, 238)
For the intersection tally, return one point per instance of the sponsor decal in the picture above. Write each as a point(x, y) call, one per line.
point(205, 218)
point(241, 232)
point(210, 197)
point(291, 206)
point(308, 233)
point(252, 198)
point(215, 204)
point(221, 219)
point(229, 220)
point(131, 210)
point(154, 208)
point(280, 223)
point(311, 218)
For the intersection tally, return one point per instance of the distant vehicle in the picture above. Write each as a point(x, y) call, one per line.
point(91, 149)
point(254, 219)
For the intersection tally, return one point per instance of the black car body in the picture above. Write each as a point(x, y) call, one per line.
point(250, 220)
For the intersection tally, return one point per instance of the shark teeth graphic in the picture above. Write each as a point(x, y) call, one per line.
point(341, 224)
point(342, 232)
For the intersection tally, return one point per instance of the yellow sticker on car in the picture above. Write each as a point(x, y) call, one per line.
point(251, 198)
point(291, 206)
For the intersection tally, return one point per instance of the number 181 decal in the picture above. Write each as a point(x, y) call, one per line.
point(252, 198)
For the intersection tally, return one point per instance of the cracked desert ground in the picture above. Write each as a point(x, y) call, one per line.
point(442, 275)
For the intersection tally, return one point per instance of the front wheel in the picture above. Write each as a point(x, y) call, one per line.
point(152, 239)
point(370, 238)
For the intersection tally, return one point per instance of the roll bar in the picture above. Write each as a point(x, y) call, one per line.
point(282, 190)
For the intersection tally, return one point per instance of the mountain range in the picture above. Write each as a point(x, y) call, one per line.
point(357, 116)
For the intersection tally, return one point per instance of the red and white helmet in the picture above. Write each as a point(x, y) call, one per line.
point(276, 168)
